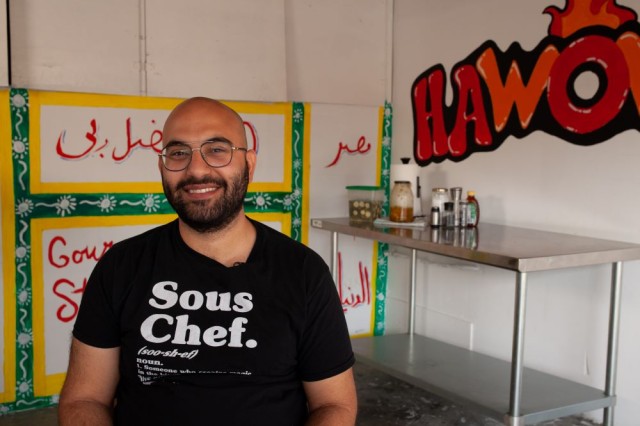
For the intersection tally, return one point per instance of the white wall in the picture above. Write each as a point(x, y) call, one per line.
point(539, 182)
point(337, 51)
point(267, 50)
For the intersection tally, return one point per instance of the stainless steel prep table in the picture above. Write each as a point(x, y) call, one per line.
point(520, 395)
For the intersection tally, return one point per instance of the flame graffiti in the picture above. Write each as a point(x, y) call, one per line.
point(580, 14)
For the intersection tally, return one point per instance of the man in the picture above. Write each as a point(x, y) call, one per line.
point(213, 318)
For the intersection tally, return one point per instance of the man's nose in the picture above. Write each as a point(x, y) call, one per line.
point(197, 161)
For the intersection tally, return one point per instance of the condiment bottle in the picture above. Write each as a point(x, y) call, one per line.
point(448, 220)
point(456, 197)
point(401, 202)
point(464, 213)
point(439, 196)
point(473, 211)
point(435, 217)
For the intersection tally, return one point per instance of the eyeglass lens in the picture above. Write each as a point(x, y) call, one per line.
point(177, 156)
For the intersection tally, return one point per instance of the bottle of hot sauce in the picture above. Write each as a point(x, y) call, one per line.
point(473, 210)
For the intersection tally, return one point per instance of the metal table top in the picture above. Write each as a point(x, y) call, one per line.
point(513, 248)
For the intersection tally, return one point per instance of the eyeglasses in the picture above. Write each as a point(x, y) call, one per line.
point(177, 155)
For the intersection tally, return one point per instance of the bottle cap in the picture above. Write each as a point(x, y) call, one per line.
point(472, 193)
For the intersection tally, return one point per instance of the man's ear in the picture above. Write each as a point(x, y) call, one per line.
point(252, 159)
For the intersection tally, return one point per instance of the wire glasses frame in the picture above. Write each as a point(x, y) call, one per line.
point(177, 156)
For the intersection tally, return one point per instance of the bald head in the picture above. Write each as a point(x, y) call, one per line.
point(199, 112)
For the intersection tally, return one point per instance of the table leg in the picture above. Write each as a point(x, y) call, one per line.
point(334, 256)
point(412, 292)
point(612, 343)
point(514, 416)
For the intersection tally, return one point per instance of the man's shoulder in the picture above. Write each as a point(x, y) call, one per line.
point(273, 237)
point(278, 244)
point(151, 237)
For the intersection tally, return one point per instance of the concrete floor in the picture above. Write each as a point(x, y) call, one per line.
point(383, 401)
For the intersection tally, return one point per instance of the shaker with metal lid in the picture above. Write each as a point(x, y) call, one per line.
point(448, 219)
point(434, 219)
point(439, 196)
point(456, 196)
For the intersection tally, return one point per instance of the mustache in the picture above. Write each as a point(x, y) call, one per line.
point(205, 181)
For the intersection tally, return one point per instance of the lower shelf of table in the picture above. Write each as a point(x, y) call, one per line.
point(475, 379)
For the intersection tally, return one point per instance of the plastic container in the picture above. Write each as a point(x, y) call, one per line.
point(365, 203)
point(473, 212)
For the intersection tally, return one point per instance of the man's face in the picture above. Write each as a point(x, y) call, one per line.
point(205, 198)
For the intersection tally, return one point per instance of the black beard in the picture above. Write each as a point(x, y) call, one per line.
point(205, 218)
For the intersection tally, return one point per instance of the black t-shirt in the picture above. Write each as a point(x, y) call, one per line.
point(209, 345)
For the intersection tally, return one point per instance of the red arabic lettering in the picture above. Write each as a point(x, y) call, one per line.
point(68, 310)
point(91, 137)
point(153, 144)
point(60, 259)
point(348, 298)
point(361, 148)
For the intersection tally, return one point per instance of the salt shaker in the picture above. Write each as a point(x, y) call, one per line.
point(435, 217)
point(439, 196)
point(448, 220)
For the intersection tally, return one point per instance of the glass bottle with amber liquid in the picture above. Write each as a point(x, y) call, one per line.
point(401, 202)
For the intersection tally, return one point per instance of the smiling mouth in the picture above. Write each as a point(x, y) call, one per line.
point(201, 190)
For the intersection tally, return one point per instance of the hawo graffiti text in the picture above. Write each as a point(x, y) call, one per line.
point(513, 93)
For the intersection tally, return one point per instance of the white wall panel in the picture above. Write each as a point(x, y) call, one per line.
point(75, 45)
point(269, 50)
point(336, 51)
point(227, 49)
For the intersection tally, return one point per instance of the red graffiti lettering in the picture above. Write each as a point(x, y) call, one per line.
point(470, 111)
point(500, 94)
point(428, 116)
point(608, 62)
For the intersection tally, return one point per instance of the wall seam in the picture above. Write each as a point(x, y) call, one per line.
point(142, 46)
